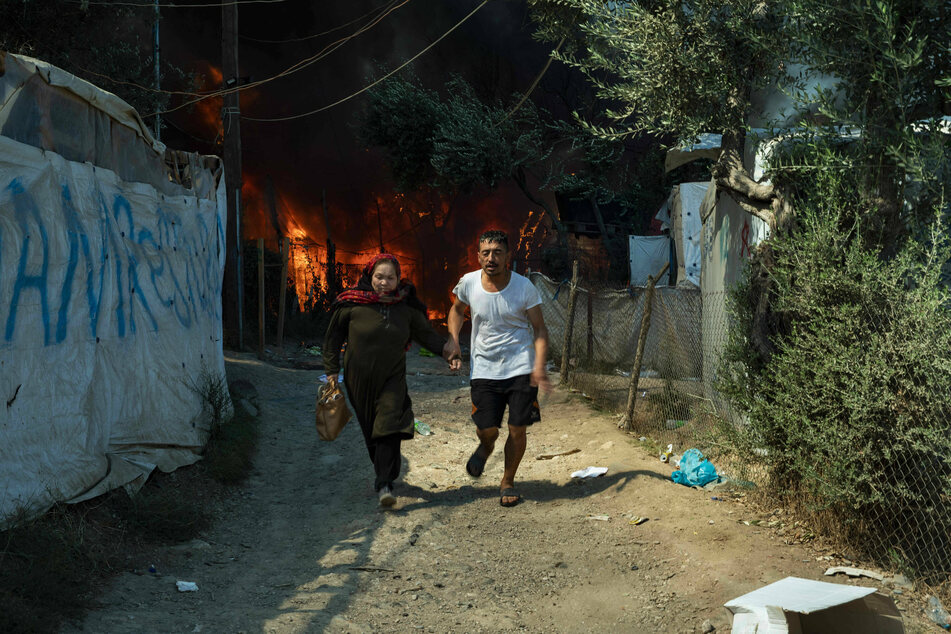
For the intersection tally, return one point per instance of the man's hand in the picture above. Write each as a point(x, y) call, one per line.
point(453, 354)
point(539, 379)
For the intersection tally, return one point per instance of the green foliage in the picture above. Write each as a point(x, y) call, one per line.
point(669, 67)
point(401, 119)
point(852, 406)
point(455, 143)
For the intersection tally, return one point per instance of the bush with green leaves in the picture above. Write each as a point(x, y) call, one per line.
point(850, 411)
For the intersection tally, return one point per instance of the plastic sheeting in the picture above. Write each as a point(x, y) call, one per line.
point(672, 341)
point(691, 195)
point(110, 314)
point(648, 255)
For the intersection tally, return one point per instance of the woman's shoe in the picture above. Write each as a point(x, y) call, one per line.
point(387, 499)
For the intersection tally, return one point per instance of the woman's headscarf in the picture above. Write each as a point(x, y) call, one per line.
point(363, 292)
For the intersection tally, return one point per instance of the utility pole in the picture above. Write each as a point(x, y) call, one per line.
point(158, 78)
point(379, 225)
point(231, 123)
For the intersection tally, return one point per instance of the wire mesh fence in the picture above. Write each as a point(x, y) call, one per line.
point(672, 390)
point(877, 477)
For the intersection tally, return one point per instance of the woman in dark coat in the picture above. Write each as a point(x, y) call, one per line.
point(377, 319)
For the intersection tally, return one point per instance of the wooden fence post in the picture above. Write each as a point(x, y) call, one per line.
point(590, 327)
point(260, 298)
point(570, 323)
point(627, 423)
point(285, 254)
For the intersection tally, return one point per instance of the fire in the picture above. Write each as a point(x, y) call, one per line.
point(209, 110)
point(433, 237)
point(528, 235)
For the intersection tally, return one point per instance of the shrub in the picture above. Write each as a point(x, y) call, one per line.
point(850, 410)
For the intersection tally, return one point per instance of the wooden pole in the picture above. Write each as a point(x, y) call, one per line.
point(260, 298)
point(285, 254)
point(590, 328)
point(379, 225)
point(231, 124)
point(331, 250)
point(627, 423)
point(570, 323)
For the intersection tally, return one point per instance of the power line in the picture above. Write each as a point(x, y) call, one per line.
point(534, 84)
point(307, 61)
point(382, 7)
point(151, 5)
point(368, 87)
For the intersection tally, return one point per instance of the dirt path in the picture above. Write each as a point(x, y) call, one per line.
point(302, 546)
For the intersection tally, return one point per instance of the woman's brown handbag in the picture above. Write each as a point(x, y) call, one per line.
point(332, 412)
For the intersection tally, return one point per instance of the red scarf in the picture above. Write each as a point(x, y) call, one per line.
point(363, 292)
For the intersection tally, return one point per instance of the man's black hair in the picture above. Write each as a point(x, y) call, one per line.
point(494, 235)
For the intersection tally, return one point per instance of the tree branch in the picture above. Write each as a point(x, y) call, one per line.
point(519, 177)
point(758, 199)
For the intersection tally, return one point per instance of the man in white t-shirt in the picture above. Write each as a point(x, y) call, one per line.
point(509, 347)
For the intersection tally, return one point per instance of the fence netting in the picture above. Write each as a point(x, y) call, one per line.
point(898, 507)
point(673, 393)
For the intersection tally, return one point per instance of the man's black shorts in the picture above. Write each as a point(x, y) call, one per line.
point(490, 396)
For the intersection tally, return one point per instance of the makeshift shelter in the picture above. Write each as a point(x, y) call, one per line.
point(111, 260)
point(680, 213)
point(647, 256)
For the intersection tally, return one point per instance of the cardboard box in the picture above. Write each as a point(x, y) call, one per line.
point(800, 606)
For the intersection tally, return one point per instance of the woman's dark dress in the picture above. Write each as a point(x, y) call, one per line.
point(375, 373)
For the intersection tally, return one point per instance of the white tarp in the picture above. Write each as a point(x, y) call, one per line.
point(691, 195)
point(648, 255)
point(110, 316)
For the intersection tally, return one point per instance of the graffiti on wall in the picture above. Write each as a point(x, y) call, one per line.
point(85, 254)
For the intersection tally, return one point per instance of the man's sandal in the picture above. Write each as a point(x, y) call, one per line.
point(509, 493)
point(476, 464)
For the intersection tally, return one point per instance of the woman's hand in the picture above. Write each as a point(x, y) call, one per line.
point(452, 354)
point(332, 381)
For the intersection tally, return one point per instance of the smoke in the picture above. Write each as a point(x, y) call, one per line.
point(306, 158)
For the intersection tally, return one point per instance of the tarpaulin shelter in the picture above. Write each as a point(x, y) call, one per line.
point(111, 260)
point(647, 256)
point(680, 213)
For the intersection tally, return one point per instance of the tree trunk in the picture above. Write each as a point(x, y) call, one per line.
point(519, 178)
point(731, 176)
point(615, 261)
point(627, 423)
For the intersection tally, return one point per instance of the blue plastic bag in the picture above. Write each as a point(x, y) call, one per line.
point(695, 470)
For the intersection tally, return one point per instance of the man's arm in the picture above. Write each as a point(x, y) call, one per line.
point(452, 351)
point(539, 373)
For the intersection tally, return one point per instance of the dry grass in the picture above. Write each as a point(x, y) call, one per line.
point(52, 566)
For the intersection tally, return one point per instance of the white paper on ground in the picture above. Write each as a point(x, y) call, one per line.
point(186, 586)
point(800, 606)
point(854, 572)
point(590, 472)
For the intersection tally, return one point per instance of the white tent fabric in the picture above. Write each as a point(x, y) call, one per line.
point(663, 214)
point(691, 195)
point(648, 255)
point(110, 312)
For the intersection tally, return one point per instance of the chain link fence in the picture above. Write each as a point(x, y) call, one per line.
point(673, 394)
point(878, 482)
